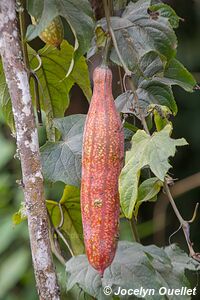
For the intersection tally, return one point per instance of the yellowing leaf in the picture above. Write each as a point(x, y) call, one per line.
point(153, 151)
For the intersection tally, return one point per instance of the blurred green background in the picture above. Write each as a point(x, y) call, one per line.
point(16, 274)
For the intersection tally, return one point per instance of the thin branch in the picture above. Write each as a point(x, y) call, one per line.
point(28, 146)
point(120, 79)
point(22, 24)
point(55, 247)
point(61, 216)
point(184, 224)
point(134, 229)
point(64, 240)
point(110, 30)
point(179, 188)
point(142, 118)
point(58, 232)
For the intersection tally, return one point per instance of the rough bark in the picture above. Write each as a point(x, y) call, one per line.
point(27, 143)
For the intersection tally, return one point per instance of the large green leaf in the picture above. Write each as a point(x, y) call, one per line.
point(134, 266)
point(157, 33)
point(137, 33)
point(5, 103)
point(78, 14)
point(61, 160)
point(155, 92)
point(54, 87)
point(153, 151)
point(153, 80)
point(72, 224)
point(176, 73)
point(149, 92)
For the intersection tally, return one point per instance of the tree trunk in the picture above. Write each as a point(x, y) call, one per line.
point(27, 143)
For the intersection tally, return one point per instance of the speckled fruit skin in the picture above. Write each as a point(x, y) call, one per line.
point(54, 33)
point(102, 161)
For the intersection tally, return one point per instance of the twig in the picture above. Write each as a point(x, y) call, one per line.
point(134, 229)
point(184, 224)
point(39, 63)
point(110, 30)
point(179, 188)
point(22, 24)
point(142, 118)
point(120, 79)
point(55, 247)
point(64, 240)
point(61, 216)
point(58, 232)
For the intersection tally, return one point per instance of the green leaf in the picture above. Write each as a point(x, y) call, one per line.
point(155, 92)
point(54, 87)
point(5, 102)
point(150, 92)
point(12, 269)
point(166, 11)
point(72, 224)
point(147, 191)
point(61, 160)
point(134, 266)
point(151, 63)
point(176, 74)
point(77, 13)
point(148, 89)
point(153, 151)
point(137, 33)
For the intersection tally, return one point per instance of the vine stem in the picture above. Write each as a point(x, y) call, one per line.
point(22, 26)
point(183, 223)
point(142, 118)
point(27, 143)
point(112, 34)
point(134, 229)
point(31, 74)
